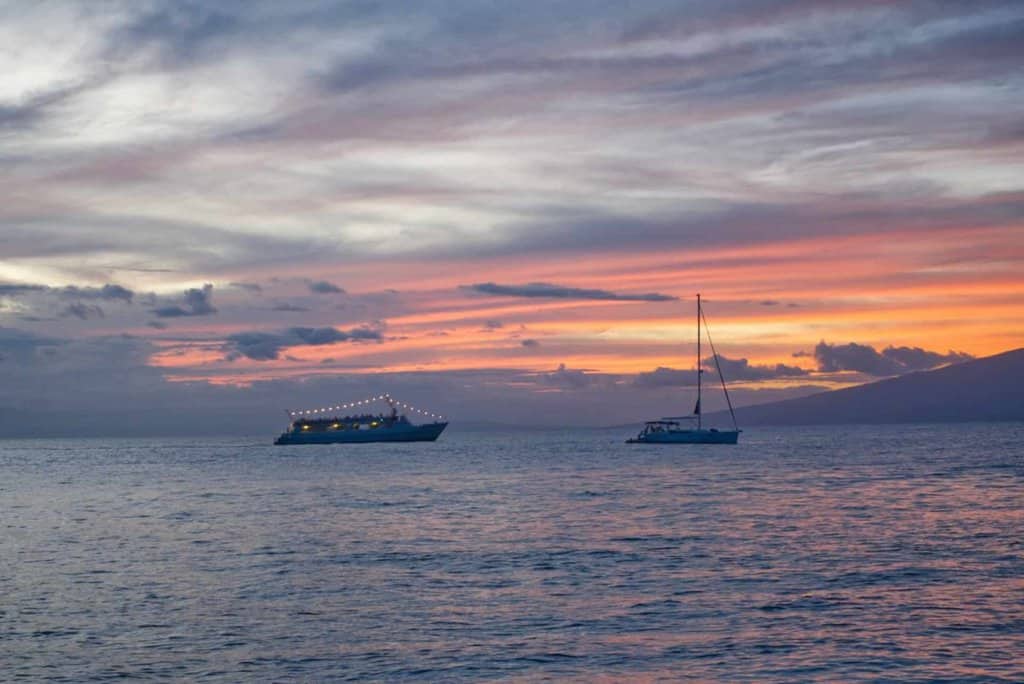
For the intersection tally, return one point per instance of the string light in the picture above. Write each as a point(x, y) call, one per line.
point(340, 407)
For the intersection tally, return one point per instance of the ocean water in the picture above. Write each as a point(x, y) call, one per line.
point(824, 554)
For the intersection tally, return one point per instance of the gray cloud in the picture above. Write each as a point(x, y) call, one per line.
point(261, 346)
point(31, 112)
point(890, 361)
point(568, 378)
point(52, 386)
point(250, 287)
point(735, 370)
point(549, 290)
point(711, 69)
point(699, 123)
point(37, 298)
point(915, 358)
point(530, 343)
point(23, 346)
point(324, 287)
point(82, 311)
point(666, 377)
point(830, 359)
point(741, 370)
point(14, 289)
point(175, 36)
point(108, 292)
point(197, 302)
point(285, 306)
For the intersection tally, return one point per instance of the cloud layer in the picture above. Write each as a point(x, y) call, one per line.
point(889, 361)
point(549, 291)
point(261, 346)
point(524, 196)
point(196, 302)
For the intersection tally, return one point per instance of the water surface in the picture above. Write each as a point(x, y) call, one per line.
point(828, 554)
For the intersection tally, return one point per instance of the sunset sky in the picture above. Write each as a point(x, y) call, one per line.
point(212, 212)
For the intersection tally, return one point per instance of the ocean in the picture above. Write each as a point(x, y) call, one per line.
point(803, 554)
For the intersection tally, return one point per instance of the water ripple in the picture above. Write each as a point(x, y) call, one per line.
point(894, 554)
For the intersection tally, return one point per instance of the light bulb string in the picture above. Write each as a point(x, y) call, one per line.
point(362, 402)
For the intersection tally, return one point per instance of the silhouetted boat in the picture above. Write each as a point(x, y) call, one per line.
point(671, 430)
point(329, 426)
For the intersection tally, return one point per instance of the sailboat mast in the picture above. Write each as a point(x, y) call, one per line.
point(699, 410)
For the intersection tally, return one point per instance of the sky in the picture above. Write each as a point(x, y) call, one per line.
point(211, 212)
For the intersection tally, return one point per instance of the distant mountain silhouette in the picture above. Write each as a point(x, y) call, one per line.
point(991, 388)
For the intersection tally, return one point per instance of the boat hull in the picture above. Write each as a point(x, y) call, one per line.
point(398, 433)
point(688, 437)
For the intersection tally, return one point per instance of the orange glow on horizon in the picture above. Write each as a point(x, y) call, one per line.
point(764, 302)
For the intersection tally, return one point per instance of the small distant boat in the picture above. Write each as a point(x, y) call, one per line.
point(350, 424)
point(681, 429)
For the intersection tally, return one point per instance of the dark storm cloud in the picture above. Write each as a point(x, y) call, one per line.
point(324, 287)
point(261, 346)
point(196, 302)
point(548, 290)
point(890, 361)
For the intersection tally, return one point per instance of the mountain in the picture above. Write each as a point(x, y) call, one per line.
point(991, 388)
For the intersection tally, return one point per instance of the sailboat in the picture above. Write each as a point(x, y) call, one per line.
point(690, 429)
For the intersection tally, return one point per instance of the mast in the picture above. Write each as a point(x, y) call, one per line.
point(718, 367)
point(698, 362)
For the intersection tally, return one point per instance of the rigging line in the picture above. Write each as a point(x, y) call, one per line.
point(721, 377)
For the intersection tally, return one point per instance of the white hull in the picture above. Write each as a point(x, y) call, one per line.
point(688, 437)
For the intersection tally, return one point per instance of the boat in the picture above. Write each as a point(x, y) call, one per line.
point(351, 424)
point(690, 429)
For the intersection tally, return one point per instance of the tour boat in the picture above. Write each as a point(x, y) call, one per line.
point(351, 424)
